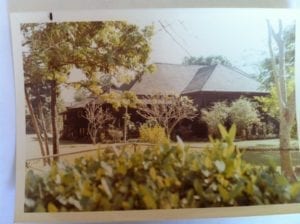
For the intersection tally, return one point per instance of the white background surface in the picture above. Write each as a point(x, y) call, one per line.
point(7, 122)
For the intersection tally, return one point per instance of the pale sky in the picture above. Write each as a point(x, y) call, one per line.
point(240, 35)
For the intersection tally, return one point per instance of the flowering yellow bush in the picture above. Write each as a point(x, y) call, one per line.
point(153, 134)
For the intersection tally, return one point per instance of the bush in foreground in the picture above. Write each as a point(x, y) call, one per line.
point(158, 178)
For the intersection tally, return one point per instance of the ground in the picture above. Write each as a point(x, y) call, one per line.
point(258, 151)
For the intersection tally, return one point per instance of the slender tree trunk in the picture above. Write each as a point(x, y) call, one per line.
point(93, 133)
point(44, 130)
point(35, 125)
point(125, 123)
point(55, 140)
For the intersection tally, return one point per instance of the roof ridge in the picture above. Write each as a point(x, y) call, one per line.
point(209, 67)
point(212, 69)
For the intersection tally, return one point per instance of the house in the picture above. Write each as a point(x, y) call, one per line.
point(203, 84)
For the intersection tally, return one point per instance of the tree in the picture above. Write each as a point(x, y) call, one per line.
point(36, 96)
point(166, 110)
point(243, 113)
point(126, 99)
point(111, 48)
point(286, 102)
point(217, 114)
point(210, 60)
point(97, 118)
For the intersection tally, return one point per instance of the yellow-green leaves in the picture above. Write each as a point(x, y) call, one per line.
point(227, 136)
point(152, 173)
point(157, 178)
point(222, 131)
point(52, 208)
point(153, 134)
point(224, 193)
point(295, 190)
point(147, 197)
point(124, 99)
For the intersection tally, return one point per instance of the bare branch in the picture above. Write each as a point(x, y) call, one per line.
point(167, 110)
point(97, 118)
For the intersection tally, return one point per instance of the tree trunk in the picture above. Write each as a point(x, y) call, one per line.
point(285, 157)
point(287, 106)
point(44, 130)
point(55, 140)
point(35, 125)
point(93, 133)
point(125, 124)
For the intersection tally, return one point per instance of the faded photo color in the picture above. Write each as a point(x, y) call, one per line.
point(189, 110)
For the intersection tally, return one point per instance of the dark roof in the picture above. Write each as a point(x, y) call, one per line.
point(185, 79)
point(168, 78)
point(226, 79)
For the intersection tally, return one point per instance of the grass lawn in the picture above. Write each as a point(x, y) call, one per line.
point(265, 158)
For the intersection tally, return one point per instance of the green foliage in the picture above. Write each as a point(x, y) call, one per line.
point(270, 104)
point(210, 60)
point(123, 99)
point(244, 113)
point(162, 177)
point(265, 68)
point(216, 114)
point(153, 134)
point(111, 47)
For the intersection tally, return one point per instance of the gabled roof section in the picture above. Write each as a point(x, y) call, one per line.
point(226, 79)
point(184, 79)
point(199, 80)
point(168, 78)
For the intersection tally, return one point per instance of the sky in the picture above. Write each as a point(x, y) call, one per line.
point(239, 35)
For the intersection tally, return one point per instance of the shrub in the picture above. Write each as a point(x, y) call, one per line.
point(244, 114)
point(158, 178)
point(214, 115)
point(153, 134)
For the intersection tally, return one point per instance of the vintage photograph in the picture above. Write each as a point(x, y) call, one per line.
point(192, 109)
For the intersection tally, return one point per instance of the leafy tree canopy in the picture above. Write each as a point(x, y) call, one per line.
point(112, 47)
point(210, 60)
